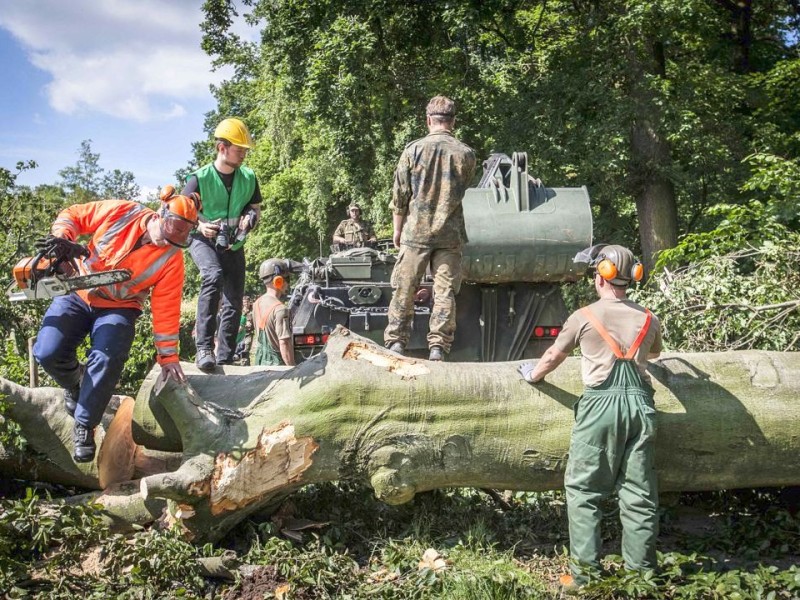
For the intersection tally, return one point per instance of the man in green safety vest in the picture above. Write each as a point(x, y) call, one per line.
point(613, 440)
point(231, 208)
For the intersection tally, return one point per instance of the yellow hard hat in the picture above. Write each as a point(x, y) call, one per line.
point(235, 132)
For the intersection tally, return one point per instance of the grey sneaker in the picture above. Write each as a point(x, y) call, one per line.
point(397, 347)
point(71, 400)
point(437, 354)
point(83, 442)
point(205, 360)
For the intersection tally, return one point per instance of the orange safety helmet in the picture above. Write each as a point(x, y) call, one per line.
point(178, 216)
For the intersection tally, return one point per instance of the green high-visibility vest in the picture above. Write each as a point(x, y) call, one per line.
point(217, 202)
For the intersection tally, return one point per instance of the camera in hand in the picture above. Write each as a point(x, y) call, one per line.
point(223, 239)
point(241, 233)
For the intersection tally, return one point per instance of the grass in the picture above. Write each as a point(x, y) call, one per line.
point(337, 541)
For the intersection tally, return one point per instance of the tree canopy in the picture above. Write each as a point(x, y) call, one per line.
point(652, 104)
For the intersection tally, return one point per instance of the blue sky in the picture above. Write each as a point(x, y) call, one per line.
point(127, 74)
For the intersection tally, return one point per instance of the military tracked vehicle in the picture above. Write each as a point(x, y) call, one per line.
point(522, 239)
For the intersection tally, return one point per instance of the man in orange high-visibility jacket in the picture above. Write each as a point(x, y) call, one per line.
point(125, 235)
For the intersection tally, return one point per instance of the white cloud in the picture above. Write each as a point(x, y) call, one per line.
point(148, 194)
point(133, 60)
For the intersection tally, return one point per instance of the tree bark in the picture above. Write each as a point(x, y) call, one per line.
point(250, 437)
point(651, 159)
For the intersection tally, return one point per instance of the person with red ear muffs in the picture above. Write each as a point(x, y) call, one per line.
point(612, 447)
point(271, 316)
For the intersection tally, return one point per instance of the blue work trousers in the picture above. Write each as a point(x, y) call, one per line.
point(111, 331)
point(222, 276)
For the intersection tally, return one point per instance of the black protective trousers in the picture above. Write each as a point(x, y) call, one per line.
point(222, 276)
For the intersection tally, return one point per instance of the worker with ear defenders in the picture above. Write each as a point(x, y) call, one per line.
point(124, 235)
point(612, 447)
point(271, 316)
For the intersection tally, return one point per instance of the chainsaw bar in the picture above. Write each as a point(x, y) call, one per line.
point(50, 287)
point(82, 282)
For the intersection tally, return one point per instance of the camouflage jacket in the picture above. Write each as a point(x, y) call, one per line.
point(355, 232)
point(429, 185)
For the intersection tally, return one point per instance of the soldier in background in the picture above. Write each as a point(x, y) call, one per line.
point(428, 218)
point(354, 231)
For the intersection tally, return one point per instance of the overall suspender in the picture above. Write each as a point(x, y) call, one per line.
point(610, 341)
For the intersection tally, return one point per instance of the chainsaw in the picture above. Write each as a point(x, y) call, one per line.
point(39, 277)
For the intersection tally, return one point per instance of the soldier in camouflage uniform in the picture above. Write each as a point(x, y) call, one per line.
point(354, 231)
point(429, 185)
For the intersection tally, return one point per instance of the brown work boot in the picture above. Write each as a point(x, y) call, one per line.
point(437, 354)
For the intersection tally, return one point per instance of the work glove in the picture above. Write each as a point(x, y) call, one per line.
point(61, 248)
point(525, 369)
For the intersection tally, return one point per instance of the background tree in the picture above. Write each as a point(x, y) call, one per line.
point(86, 180)
point(647, 103)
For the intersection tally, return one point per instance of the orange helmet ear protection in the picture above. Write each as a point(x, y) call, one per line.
point(178, 216)
point(615, 264)
point(274, 271)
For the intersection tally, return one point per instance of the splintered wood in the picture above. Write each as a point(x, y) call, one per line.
point(407, 368)
point(278, 459)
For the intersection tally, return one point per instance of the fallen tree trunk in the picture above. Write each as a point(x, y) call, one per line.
point(248, 438)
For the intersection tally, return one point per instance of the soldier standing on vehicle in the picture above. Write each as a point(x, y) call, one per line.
point(231, 205)
point(271, 316)
point(613, 440)
point(429, 184)
point(125, 235)
point(354, 231)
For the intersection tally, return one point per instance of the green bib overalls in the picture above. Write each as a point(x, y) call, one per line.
point(613, 449)
point(266, 353)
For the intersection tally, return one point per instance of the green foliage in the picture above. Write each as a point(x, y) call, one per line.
point(11, 438)
point(153, 562)
point(735, 286)
point(34, 530)
point(334, 90)
point(349, 545)
point(20, 229)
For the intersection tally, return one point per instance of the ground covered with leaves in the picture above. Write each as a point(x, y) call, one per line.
point(337, 541)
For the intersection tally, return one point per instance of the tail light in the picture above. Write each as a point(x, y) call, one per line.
point(545, 331)
point(311, 339)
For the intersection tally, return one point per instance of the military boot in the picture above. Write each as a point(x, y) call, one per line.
point(397, 347)
point(437, 354)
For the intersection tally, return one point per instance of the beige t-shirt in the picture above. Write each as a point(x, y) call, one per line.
point(277, 326)
point(623, 319)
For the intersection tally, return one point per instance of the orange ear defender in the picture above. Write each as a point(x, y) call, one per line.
point(637, 271)
point(279, 282)
point(607, 269)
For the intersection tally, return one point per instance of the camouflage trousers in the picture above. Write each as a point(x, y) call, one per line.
point(408, 271)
